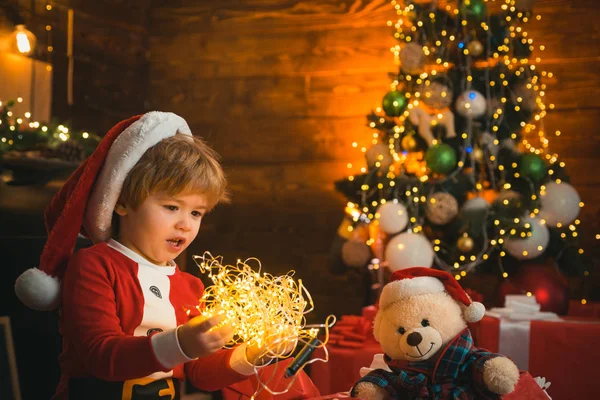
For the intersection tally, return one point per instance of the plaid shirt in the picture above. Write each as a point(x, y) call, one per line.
point(458, 374)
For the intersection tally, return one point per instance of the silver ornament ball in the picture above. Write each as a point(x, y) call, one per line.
point(412, 58)
point(379, 153)
point(471, 104)
point(441, 208)
point(436, 95)
point(356, 253)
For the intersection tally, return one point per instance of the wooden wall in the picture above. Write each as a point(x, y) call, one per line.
point(281, 89)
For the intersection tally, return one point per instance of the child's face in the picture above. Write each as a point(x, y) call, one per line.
point(162, 226)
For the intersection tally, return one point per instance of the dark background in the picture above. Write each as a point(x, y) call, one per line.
point(281, 90)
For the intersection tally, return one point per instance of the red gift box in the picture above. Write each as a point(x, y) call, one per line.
point(564, 352)
point(588, 310)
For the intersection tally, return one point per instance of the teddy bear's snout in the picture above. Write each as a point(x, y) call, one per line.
point(414, 339)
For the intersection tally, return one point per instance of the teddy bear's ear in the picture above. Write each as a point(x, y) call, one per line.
point(376, 324)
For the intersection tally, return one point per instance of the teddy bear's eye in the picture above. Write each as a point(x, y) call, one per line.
point(425, 322)
point(401, 330)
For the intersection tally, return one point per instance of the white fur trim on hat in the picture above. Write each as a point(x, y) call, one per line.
point(397, 290)
point(38, 290)
point(124, 153)
point(474, 312)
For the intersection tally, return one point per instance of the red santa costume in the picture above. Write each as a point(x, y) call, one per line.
point(119, 313)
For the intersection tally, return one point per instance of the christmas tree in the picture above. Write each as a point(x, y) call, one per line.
point(453, 179)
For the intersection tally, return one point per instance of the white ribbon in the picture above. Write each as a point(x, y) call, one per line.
point(515, 326)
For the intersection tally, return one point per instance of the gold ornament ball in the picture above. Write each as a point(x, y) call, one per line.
point(465, 244)
point(475, 48)
point(409, 143)
point(478, 154)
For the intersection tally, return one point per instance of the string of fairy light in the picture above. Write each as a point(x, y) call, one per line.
point(61, 132)
point(264, 310)
point(520, 67)
point(49, 41)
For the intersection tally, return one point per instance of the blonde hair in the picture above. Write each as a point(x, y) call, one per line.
point(176, 165)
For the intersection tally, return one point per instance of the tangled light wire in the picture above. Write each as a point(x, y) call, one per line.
point(264, 310)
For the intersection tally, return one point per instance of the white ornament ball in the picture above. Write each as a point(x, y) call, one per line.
point(393, 217)
point(471, 104)
point(408, 250)
point(356, 253)
point(475, 204)
point(559, 204)
point(379, 153)
point(437, 95)
point(531, 246)
point(441, 208)
point(412, 58)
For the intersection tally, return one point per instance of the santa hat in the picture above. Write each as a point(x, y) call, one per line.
point(414, 281)
point(86, 202)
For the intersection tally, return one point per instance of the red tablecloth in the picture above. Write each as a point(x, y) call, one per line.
point(566, 353)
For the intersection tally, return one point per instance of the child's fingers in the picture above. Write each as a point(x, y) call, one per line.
point(227, 333)
point(221, 336)
point(203, 324)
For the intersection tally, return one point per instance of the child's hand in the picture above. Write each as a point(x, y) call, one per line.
point(276, 345)
point(198, 337)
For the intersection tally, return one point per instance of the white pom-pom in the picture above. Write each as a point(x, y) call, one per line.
point(474, 312)
point(38, 290)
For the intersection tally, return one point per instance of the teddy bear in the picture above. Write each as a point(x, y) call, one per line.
point(421, 325)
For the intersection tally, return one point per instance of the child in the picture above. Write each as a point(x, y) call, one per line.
point(140, 197)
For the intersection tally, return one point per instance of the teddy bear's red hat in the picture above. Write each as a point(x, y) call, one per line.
point(86, 201)
point(419, 280)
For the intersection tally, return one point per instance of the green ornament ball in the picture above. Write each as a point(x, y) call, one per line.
point(532, 166)
point(440, 158)
point(394, 103)
point(475, 9)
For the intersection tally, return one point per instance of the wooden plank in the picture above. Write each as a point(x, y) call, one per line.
point(234, 52)
point(349, 51)
point(577, 138)
point(287, 187)
point(96, 41)
point(256, 15)
point(573, 85)
point(281, 141)
point(574, 82)
point(288, 53)
point(560, 31)
point(249, 16)
point(132, 15)
point(109, 87)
